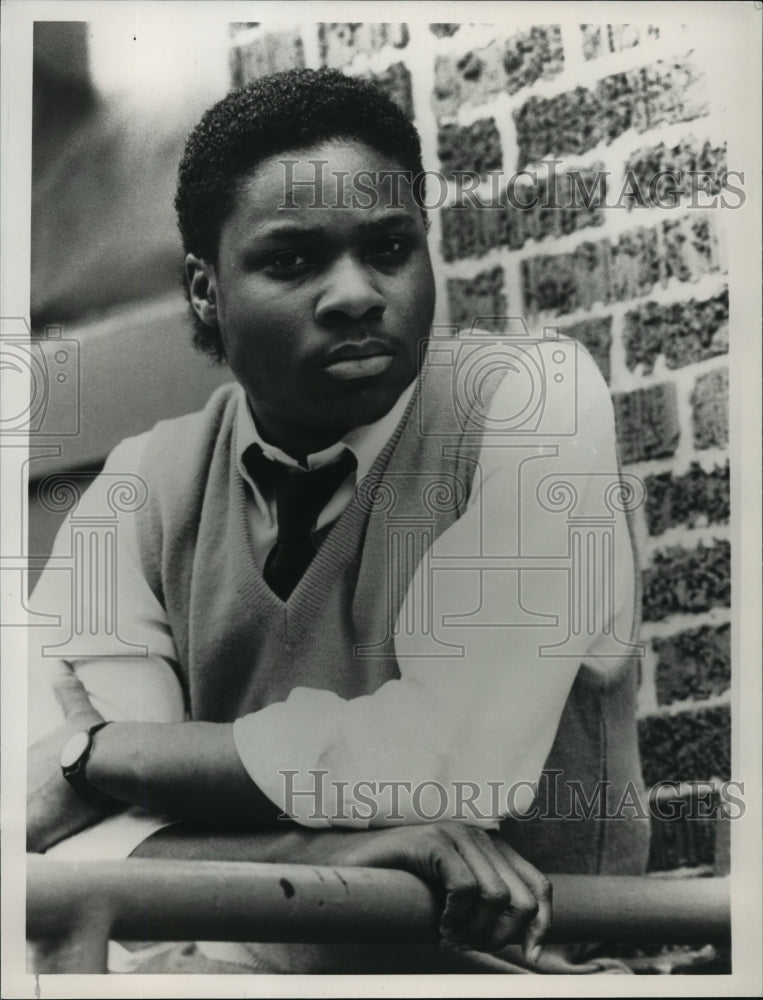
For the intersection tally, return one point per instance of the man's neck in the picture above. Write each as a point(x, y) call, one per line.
point(296, 442)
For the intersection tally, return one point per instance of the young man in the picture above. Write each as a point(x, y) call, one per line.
point(349, 573)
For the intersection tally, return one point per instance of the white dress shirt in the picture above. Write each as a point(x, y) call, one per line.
point(489, 713)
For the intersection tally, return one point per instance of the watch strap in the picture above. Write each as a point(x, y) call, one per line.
point(75, 775)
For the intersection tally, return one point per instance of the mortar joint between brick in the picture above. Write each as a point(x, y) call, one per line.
point(689, 705)
point(674, 624)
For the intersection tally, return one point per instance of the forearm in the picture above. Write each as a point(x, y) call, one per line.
point(289, 843)
point(189, 770)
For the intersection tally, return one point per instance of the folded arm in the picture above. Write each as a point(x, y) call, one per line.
point(490, 892)
point(185, 769)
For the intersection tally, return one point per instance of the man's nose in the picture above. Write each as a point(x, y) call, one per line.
point(349, 294)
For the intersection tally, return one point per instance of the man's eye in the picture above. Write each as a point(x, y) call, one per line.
point(390, 249)
point(287, 262)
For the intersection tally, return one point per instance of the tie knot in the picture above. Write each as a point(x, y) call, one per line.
point(300, 494)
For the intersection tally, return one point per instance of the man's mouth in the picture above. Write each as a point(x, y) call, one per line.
point(361, 360)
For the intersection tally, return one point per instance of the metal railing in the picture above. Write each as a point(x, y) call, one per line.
point(75, 908)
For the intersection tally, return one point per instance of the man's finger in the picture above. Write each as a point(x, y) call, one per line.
point(519, 907)
point(541, 889)
point(457, 879)
point(71, 694)
point(492, 896)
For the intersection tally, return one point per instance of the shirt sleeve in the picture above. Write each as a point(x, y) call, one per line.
point(465, 731)
point(95, 610)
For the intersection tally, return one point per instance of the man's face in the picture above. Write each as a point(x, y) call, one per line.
point(322, 310)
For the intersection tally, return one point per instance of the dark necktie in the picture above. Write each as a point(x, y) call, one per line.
point(300, 497)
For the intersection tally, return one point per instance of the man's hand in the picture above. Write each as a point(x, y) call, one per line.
point(491, 895)
point(54, 810)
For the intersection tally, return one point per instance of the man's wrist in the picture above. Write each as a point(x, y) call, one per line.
point(74, 758)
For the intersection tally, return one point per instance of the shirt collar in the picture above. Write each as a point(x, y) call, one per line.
point(364, 442)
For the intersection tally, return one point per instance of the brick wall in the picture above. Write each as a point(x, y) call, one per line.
point(643, 287)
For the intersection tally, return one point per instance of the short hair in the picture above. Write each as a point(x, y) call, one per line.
point(273, 114)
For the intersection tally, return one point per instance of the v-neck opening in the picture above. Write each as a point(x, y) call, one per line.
point(338, 548)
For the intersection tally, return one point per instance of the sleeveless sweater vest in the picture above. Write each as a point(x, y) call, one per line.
point(240, 648)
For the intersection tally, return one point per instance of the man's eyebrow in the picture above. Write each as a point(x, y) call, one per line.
point(390, 220)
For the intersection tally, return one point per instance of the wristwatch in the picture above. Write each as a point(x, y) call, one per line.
point(74, 757)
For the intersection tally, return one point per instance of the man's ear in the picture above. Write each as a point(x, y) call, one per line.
point(202, 286)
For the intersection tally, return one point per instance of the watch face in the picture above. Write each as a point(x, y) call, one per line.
point(73, 749)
